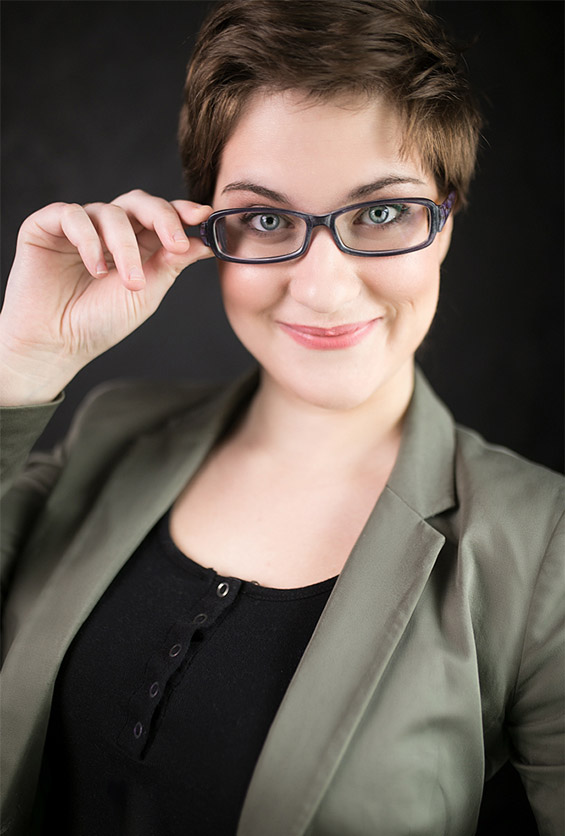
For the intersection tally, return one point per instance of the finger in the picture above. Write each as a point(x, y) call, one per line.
point(165, 265)
point(71, 221)
point(115, 229)
point(156, 214)
point(192, 214)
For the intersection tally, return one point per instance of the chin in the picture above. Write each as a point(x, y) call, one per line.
point(336, 392)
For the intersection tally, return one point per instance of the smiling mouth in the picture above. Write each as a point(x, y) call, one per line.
point(340, 336)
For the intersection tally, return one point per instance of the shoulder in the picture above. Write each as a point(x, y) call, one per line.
point(501, 479)
point(150, 398)
point(115, 416)
point(126, 409)
point(507, 507)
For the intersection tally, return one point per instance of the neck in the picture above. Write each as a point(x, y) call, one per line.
point(284, 426)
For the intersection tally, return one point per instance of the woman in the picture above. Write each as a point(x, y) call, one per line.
point(309, 603)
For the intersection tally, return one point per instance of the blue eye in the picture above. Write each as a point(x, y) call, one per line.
point(270, 222)
point(383, 214)
point(265, 223)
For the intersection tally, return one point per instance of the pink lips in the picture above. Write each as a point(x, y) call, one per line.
point(341, 336)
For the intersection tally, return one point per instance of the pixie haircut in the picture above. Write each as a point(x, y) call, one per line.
point(328, 49)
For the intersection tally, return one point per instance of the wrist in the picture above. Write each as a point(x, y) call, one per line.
point(32, 378)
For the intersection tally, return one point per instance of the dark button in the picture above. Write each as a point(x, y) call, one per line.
point(222, 589)
point(154, 690)
point(137, 730)
point(175, 650)
point(200, 618)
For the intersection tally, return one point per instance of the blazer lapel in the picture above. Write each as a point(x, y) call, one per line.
point(359, 630)
point(363, 621)
point(142, 488)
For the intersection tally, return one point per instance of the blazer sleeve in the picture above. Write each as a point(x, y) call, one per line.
point(106, 423)
point(536, 716)
point(25, 480)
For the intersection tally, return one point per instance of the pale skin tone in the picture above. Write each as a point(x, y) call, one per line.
point(83, 279)
point(295, 481)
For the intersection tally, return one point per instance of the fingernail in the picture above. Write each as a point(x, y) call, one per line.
point(179, 236)
point(101, 269)
point(135, 275)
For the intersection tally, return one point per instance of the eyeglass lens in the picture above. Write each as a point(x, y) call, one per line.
point(369, 229)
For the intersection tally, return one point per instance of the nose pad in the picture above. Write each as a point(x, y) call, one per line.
point(324, 278)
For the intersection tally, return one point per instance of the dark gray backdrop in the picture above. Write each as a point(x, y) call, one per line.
point(91, 92)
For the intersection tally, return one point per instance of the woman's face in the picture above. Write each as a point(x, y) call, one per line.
point(289, 154)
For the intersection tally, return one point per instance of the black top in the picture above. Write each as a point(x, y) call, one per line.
point(166, 695)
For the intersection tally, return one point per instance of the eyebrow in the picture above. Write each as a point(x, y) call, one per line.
point(262, 191)
point(383, 183)
point(356, 194)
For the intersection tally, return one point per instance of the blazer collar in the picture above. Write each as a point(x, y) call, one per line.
point(423, 476)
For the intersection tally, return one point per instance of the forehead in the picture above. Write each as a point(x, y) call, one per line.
point(316, 153)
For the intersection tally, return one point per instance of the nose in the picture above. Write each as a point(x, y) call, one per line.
point(324, 279)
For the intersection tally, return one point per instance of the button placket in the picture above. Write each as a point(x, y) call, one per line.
point(219, 596)
point(146, 700)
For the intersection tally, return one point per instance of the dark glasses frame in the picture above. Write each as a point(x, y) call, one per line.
point(439, 214)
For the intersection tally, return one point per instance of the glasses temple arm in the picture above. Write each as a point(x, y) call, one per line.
point(445, 209)
point(204, 233)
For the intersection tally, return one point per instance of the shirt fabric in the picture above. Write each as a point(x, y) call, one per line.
point(166, 695)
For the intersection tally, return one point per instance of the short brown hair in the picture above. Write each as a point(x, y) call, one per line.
point(325, 48)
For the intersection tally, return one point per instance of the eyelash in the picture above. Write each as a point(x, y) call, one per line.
point(249, 217)
point(403, 213)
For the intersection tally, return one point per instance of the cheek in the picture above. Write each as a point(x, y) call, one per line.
point(249, 294)
point(410, 281)
point(398, 284)
point(242, 289)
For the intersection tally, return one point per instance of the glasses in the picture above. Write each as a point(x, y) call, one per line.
point(263, 235)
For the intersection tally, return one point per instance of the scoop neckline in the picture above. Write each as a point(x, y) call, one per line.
point(248, 587)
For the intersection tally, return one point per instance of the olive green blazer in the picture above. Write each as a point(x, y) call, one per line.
point(438, 657)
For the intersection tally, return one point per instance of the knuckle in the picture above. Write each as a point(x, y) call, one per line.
point(163, 206)
point(133, 193)
point(72, 210)
point(129, 245)
point(57, 206)
point(111, 212)
point(192, 204)
point(32, 219)
point(128, 251)
point(26, 226)
point(168, 221)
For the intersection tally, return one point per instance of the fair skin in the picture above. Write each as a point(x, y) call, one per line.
point(83, 278)
point(296, 439)
point(295, 481)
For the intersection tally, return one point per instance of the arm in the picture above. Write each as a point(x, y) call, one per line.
point(535, 720)
point(23, 490)
point(83, 278)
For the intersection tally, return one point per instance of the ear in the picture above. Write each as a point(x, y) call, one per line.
point(444, 238)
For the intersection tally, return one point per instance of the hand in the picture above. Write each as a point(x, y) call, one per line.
point(83, 278)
